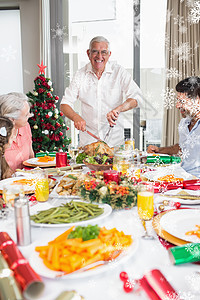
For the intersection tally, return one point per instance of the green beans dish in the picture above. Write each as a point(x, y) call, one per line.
point(71, 212)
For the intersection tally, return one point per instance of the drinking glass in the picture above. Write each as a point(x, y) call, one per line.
point(145, 205)
point(122, 161)
point(41, 186)
point(10, 193)
point(73, 152)
point(129, 144)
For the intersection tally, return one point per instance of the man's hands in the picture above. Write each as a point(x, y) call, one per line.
point(112, 117)
point(152, 149)
point(79, 123)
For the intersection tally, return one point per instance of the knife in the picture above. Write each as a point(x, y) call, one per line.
point(94, 136)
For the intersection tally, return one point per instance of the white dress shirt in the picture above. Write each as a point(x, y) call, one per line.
point(189, 141)
point(98, 97)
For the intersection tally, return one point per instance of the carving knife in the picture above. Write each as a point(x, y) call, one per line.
point(94, 136)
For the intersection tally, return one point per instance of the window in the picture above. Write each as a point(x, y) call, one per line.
point(10, 52)
point(152, 65)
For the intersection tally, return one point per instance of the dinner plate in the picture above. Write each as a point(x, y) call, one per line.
point(34, 162)
point(39, 267)
point(10, 182)
point(44, 206)
point(164, 234)
point(171, 170)
point(180, 221)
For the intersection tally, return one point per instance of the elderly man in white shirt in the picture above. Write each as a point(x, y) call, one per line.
point(101, 87)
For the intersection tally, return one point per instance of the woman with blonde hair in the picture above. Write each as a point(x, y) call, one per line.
point(6, 128)
point(15, 106)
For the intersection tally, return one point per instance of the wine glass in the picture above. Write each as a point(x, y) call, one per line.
point(73, 152)
point(145, 205)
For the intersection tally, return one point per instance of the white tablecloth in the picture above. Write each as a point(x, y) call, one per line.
point(107, 285)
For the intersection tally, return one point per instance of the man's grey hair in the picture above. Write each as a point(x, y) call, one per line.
point(99, 39)
point(11, 105)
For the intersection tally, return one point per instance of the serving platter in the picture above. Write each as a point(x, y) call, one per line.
point(56, 202)
point(38, 265)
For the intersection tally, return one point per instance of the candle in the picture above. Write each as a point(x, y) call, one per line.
point(111, 175)
point(61, 159)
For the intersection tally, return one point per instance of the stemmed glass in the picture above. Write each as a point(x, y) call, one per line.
point(145, 205)
point(73, 152)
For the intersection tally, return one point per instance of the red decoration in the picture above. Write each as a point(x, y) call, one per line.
point(47, 117)
point(123, 276)
point(177, 205)
point(61, 159)
point(26, 277)
point(156, 286)
point(42, 67)
point(128, 286)
point(111, 175)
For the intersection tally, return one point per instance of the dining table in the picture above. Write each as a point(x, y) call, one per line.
point(104, 283)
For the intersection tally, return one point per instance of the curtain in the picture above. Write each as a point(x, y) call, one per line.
point(45, 42)
point(182, 58)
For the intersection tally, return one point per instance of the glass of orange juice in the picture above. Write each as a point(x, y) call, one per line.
point(41, 186)
point(145, 205)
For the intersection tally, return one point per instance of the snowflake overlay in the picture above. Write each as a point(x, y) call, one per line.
point(59, 32)
point(194, 281)
point(194, 14)
point(193, 249)
point(8, 53)
point(183, 51)
point(173, 73)
point(168, 96)
point(193, 82)
point(184, 154)
point(178, 296)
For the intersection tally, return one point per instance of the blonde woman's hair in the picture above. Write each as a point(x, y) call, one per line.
point(11, 104)
point(6, 127)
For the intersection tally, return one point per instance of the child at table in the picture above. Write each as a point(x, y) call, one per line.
point(6, 128)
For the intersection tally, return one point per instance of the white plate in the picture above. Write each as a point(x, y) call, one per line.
point(37, 264)
point(178, 222)
point(175, 170)
point(44, 206)
point(8, 182)
point(34, 161)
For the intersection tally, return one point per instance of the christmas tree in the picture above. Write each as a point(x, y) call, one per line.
point(47, 124)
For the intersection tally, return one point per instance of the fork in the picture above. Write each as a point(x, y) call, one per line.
point(112, 257)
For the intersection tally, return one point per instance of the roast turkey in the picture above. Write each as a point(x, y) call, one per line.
point(98, 147)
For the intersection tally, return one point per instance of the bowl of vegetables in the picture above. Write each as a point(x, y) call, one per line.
point(99, 162)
